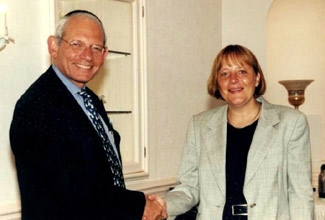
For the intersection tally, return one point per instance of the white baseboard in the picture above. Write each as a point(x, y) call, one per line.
point(159, 186)
point(10, 211)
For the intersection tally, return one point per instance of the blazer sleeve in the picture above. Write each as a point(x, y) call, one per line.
point(186, 194)
point(299, 171)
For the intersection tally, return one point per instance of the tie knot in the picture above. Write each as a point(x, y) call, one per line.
point(83, 93)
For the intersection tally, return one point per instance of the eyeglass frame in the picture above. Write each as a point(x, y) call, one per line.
point(82, 46)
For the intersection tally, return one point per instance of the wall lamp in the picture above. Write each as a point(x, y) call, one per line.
point(296, 90)
point(4, 38)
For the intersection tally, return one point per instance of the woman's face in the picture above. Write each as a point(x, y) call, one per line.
point(237, 82)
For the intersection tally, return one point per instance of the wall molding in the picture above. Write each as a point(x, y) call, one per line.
point(10, 211)
point(157, 186)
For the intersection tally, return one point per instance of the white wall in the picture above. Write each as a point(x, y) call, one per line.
point(244, 23)
point(20, 64)
point(183, 38)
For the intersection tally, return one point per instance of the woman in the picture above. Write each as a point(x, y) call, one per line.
point(248, 159)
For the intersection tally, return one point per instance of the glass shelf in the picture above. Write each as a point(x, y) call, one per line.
point(119, 112)
point(114, 54)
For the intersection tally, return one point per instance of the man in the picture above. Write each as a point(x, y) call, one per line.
point(66, 150)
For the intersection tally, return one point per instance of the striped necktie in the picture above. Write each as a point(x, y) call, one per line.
point(113, 160)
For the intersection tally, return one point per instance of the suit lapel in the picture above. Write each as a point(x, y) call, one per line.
point(262, 141)
point(215, 142)
point(70, 109)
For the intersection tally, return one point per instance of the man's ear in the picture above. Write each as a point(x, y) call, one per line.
point(53, 46)
point(106, 52)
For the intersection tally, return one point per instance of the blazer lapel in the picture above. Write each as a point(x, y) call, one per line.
point(263, 139)
point(215, 143)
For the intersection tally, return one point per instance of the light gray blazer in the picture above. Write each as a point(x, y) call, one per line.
point(278, 175)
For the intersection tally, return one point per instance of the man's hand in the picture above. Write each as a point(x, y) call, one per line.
point(155, 209)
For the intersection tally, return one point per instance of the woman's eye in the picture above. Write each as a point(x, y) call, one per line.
point(242, 72)
point(224, 74)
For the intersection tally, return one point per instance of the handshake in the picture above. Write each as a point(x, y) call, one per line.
point(155, 209)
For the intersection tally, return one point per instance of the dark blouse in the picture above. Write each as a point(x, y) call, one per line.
point(238, 144)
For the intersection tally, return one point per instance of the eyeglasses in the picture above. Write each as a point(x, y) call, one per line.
point(79, 47)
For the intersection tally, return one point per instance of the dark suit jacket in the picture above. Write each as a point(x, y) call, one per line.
point(62, 169)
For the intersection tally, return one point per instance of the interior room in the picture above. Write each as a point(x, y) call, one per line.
point(166, 50)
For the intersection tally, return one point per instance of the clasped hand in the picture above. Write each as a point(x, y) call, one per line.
point(155, 209)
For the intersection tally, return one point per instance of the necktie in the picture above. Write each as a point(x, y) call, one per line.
point(111, 155)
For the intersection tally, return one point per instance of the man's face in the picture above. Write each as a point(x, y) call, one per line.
point(78, 65)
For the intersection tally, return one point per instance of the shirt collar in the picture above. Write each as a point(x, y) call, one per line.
point(74, 89)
